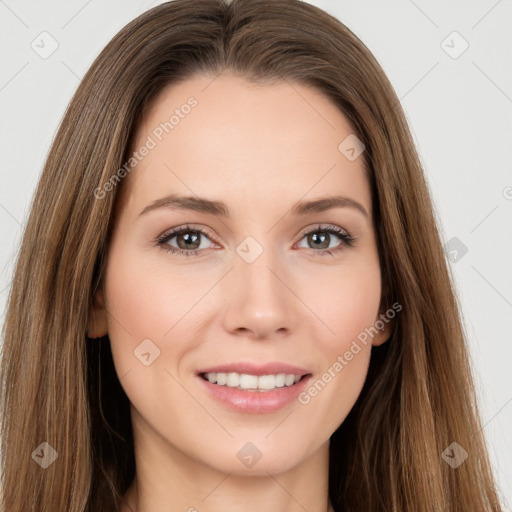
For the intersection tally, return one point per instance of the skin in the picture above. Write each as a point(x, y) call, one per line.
point(260, 149)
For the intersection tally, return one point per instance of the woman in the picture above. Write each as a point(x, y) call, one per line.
point(231, 292)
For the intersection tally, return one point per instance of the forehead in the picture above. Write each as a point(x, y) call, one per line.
point(226, 137)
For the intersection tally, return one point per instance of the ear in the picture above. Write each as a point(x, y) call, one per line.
point(384, 326)
point(98, 325)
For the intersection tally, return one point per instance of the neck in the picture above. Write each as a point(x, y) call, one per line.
point(179, 483)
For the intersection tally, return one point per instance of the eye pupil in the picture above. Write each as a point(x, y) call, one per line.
point(322, 238)
point(188, 238)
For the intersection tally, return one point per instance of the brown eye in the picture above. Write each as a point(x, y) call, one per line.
point(320, 238)
point(188, 241)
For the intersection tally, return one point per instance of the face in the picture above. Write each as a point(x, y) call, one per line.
point(247, 288)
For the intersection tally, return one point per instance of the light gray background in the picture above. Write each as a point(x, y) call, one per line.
point(459, 110)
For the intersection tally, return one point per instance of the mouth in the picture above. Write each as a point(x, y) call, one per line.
point(255, 389)
point(253, 394)
point(253, 383)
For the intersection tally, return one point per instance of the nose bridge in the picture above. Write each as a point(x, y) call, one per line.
point(256, 265)
point(258, 298)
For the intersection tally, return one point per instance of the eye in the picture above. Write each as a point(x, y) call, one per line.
point(187, 238)
point(189, 243)
point(321, 235)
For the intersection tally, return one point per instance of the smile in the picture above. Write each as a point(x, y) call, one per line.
point(254, 394)
point(248, 382)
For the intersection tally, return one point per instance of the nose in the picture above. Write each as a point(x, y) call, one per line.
point(260, 301)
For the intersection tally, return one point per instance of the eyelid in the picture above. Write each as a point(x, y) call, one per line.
point(187, 227)
point(319, 226)
point(346, 239)
point(206, 230)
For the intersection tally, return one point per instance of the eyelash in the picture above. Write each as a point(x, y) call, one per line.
point(344, 236)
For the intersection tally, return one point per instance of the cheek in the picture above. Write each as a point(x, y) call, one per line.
point(346, 301)
point(146, 296)
point(146, 302)
point(347, 304)
point(143, 302)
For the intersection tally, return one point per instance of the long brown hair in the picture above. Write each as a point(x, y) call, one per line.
point(59, 388)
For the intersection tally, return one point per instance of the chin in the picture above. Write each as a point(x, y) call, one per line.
point(256, 458)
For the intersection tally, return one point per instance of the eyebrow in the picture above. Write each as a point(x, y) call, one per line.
point(219, 208)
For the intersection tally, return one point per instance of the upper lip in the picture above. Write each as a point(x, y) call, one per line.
point(272, 368)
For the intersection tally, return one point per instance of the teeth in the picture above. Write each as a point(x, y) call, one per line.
point(248, 381)
point(221, 378)
point(252, 382)
point(233, 380)
point(289, 380)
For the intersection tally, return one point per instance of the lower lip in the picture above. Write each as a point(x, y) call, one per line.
point(255, 402)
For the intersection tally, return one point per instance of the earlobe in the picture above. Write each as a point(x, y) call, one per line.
point(98, 325)
point(384, 326)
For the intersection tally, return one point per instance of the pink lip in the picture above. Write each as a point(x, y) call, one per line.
point(255, 369)
point(255, 402)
